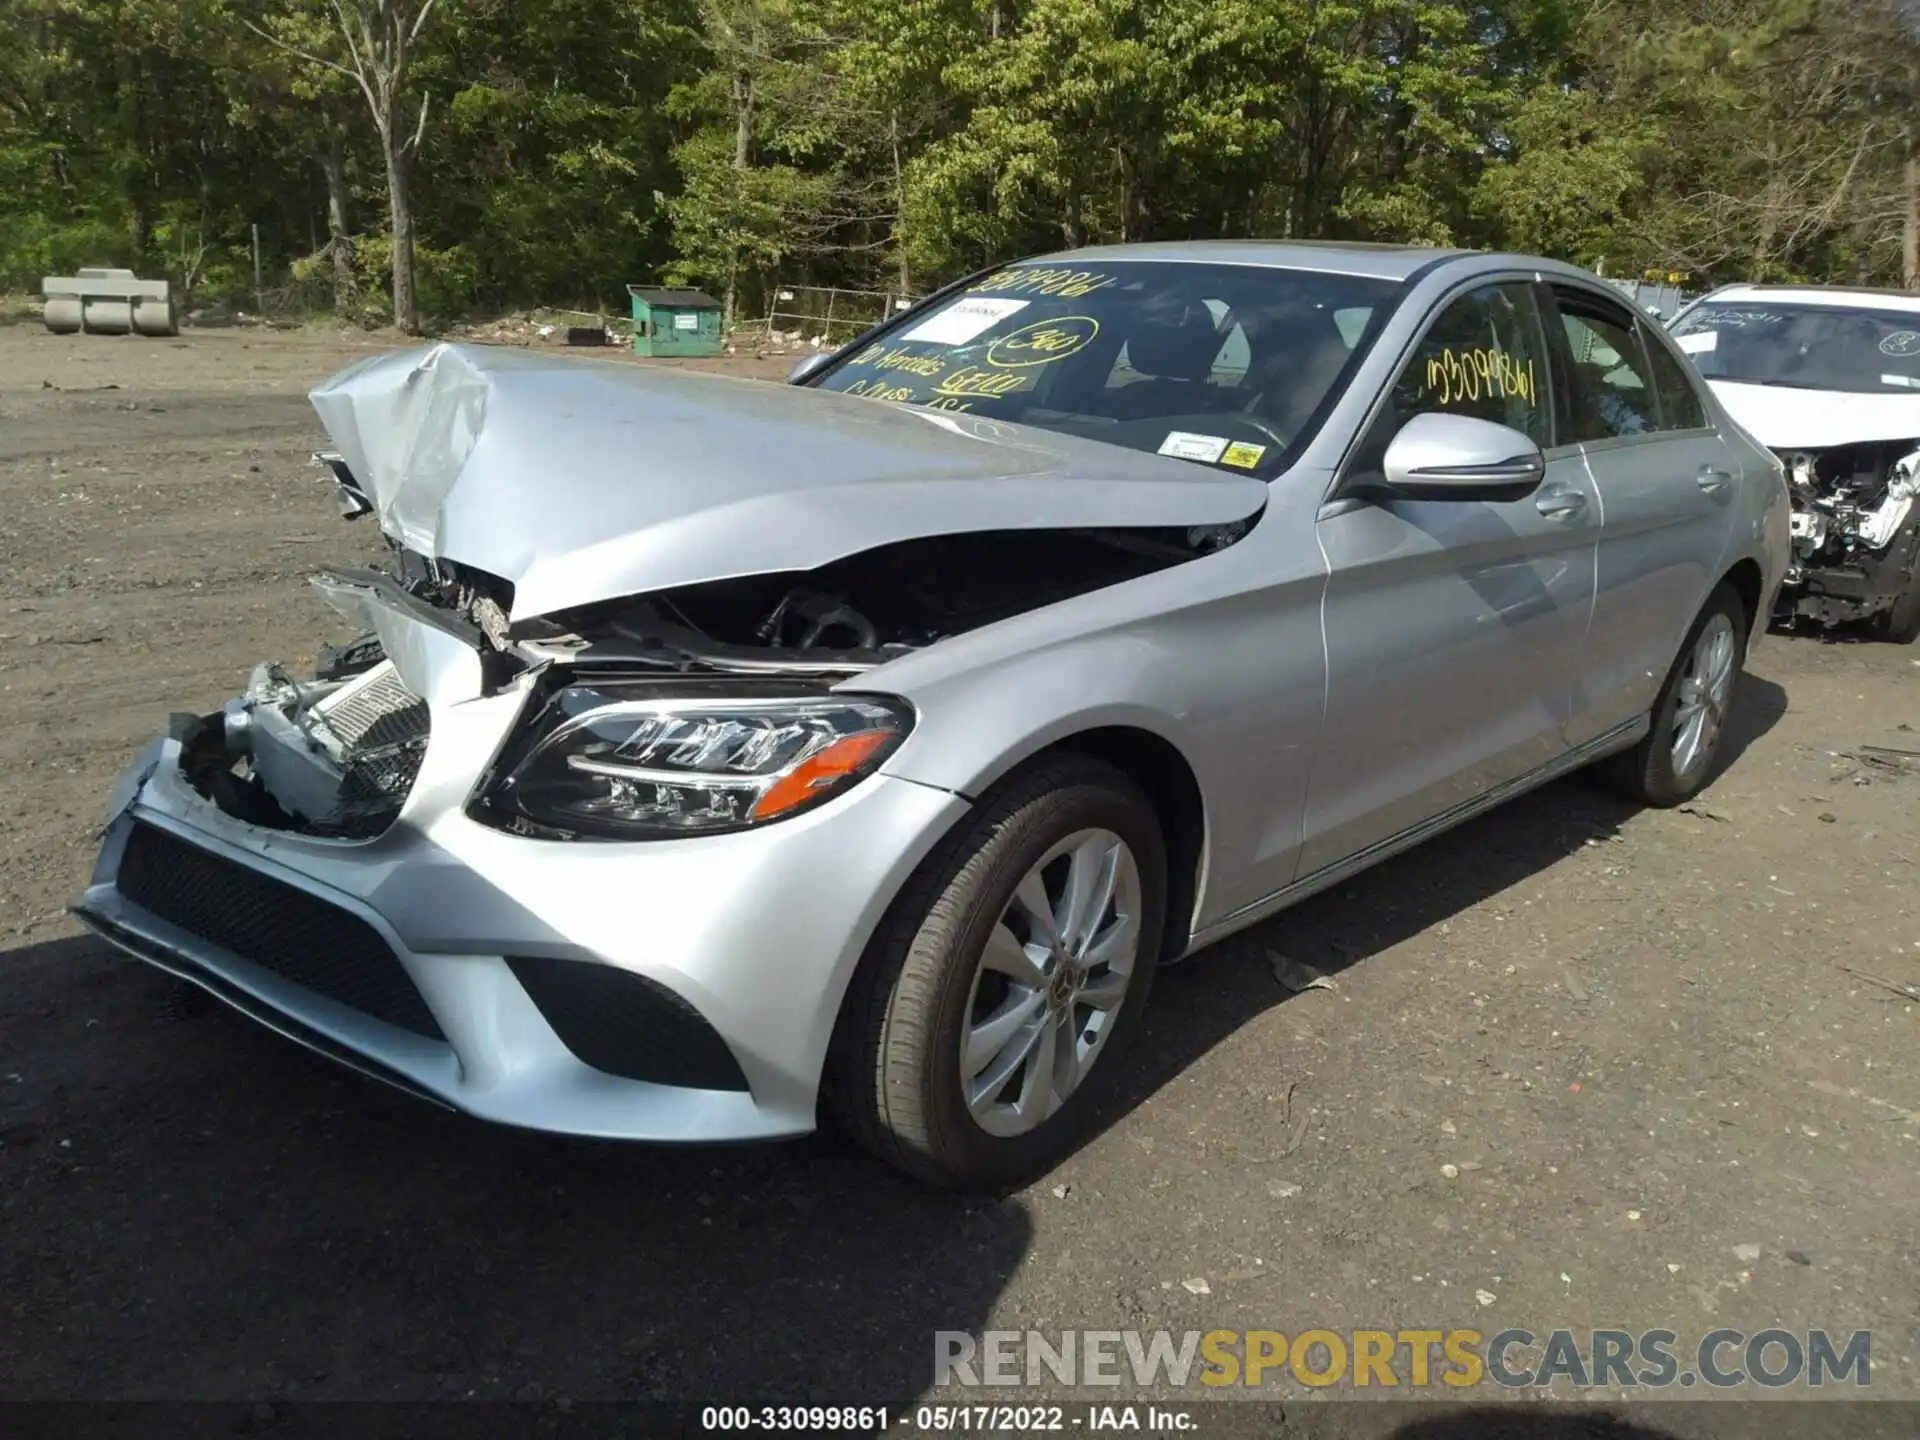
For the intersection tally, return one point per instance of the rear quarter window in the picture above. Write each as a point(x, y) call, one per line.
point(1680, 407)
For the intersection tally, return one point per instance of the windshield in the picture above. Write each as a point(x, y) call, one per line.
point(1811, 347)
point(1225, 365)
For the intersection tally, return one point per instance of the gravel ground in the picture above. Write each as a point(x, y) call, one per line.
point(1579, 1065)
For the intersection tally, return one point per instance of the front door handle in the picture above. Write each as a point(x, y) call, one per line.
point(1560, 503)
point(1716, 482)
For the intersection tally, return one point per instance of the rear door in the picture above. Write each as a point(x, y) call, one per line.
point(1666, 482)
point(1452, 627)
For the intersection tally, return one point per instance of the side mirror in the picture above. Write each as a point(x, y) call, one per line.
point(1456, 457)
point(808, 365)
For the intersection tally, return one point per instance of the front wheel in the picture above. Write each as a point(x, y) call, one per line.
point(1677, 756)
point(1901, 624)
point(990, 1010)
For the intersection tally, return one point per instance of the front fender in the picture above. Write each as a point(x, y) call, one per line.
point(972, 734)
point(1235, 683)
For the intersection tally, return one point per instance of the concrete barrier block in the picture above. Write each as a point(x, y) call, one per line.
point(105, 301)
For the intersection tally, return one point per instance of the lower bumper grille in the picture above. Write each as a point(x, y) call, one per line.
point(624, 1024)
point(188, 968)
point(279, 927)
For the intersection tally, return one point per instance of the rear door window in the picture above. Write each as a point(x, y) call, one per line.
point(1610, 382)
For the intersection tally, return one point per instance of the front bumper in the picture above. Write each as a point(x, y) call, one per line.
point(476, 968)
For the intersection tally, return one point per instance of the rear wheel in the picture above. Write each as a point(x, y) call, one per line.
point(1677, 756)
point(990, 1010)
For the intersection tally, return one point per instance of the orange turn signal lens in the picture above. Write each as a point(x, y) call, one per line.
point(837, 761)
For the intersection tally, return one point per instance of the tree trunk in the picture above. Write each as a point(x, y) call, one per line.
point(140, 225)
point(1300, 208)
point(900, 211)
point(742, 156)
point(333, 164)
point(406, 309)
point(1401, 112)
point(742, 120)
point(1910, 246)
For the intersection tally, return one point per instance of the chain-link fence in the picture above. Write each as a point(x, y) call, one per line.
point(1660, 298)
point(828, 314)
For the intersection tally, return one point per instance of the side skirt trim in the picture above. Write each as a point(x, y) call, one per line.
point(1619, 738)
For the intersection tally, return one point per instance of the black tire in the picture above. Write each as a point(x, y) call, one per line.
point(1646, 772)
point(1901, 624)
point(893, 1076)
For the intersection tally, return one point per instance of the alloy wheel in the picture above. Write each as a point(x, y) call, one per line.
point(1700, 707)
point(1050, 982)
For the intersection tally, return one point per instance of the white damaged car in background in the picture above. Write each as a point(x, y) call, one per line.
point(1829, 380)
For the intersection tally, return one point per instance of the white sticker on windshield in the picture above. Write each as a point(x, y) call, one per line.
point(1184, 446)
point(1698, 343)
point(1901, 342)
point(1910, 382)
point(965, 319)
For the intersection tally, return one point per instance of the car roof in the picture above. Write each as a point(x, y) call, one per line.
point(1901, 301)
point(1385, 262)
point(1364, 258)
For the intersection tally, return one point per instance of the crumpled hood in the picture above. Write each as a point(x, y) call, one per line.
point(1781, 417)
point(584, 480)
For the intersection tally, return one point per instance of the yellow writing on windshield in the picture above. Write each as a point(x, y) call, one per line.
point(1044, 280)
point(880, 390)
point(900, 359)
point(970, 382)
point(1043, 342)
point(1489, 373)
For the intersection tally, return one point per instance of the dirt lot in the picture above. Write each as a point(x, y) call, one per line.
point(1575, 1059)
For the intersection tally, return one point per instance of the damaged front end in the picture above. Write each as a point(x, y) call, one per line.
point(557, 525)
point(335, 753)
point(1856, 530)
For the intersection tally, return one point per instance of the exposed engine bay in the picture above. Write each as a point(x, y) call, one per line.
point(1856, 530)
point(862, 611)
point(336, 754)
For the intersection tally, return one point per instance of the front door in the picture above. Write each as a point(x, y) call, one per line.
point(1453, 628)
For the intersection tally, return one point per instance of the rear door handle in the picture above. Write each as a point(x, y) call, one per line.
point(1560, 503)
point(1716, 482)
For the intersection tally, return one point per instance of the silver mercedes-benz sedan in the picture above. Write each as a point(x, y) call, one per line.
point(713, 756)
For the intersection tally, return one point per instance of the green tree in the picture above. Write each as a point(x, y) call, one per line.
point(373, 44)
point(759, 170)
point(555, 139)
point(892, 144)
point(1727, 139)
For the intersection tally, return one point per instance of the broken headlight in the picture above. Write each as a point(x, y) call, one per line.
point(631, 763)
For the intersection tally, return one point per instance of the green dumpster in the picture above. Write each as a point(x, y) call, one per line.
point(669, 320)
